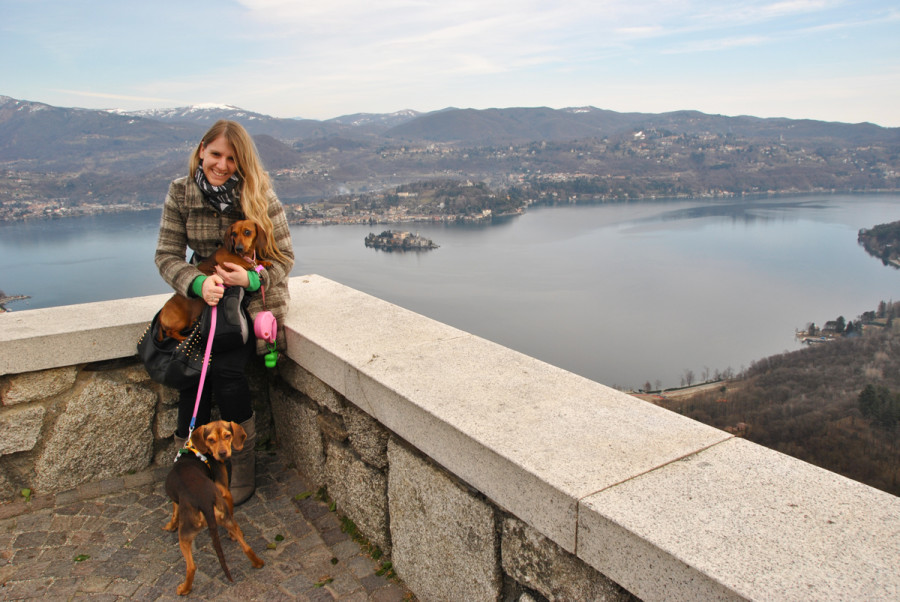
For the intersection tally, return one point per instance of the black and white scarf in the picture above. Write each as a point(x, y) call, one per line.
point(222, 198)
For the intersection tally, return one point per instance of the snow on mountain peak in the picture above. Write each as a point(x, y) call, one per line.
point(212, 106)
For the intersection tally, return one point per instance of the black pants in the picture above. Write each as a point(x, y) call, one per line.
point(226, 384)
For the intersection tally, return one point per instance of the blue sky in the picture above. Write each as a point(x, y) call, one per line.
point(832, 60)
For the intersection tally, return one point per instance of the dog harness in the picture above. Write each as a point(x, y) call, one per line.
point(190, 449)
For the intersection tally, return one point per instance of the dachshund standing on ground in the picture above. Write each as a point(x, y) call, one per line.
point(198, 488)
point(244, 242)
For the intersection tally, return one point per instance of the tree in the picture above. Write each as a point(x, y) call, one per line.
point(868, 400)
point(880, 405)
point(841, 323)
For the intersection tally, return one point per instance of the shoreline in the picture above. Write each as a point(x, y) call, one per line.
point(89, 210)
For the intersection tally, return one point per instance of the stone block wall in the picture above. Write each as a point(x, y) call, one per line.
point(446, 540)
point(486, 474)
point(63, 427)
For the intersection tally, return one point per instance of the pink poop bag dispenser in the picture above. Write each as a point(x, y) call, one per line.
point(265, 327)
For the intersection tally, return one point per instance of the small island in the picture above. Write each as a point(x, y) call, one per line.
point(395, 240)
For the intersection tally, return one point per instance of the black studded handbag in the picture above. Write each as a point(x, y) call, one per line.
point(173, 363)
point(177, 364)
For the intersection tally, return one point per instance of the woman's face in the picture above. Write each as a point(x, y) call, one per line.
point(218, 159)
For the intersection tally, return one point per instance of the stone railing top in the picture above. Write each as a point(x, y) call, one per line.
point(37, 339)
point(667, 507)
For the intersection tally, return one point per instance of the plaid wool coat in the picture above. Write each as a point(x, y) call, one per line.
point(189, 222)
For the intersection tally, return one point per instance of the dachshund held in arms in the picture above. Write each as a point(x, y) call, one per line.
point(244, 241)
point(198, 488)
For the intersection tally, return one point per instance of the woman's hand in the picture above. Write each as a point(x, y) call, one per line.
point(232, 275)
point(212, 289)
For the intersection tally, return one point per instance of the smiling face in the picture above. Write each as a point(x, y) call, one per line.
point(219, 161)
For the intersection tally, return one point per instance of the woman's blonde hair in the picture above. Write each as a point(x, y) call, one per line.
point(255, 183)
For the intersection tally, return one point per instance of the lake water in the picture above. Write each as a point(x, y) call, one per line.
point(622, 294)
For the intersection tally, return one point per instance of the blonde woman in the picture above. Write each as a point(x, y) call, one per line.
point(226, 183)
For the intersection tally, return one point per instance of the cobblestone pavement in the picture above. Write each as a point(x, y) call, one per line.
point(105, 542)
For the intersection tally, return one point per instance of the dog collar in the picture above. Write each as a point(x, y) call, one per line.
point(190, 449)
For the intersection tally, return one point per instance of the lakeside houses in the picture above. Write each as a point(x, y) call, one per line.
point(309, 214)
point(57, 209)
point(4, 299)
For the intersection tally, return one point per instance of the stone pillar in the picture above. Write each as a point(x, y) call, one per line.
point(444, 537)
point(104, 430)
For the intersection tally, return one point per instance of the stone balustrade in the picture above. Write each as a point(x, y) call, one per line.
point(484, 473)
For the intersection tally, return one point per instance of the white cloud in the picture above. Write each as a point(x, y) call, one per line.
point(640, 31)
point(717, 44)
point(322, 59)
point(790, 7)
point(117, 97)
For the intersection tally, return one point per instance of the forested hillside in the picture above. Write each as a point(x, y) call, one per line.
point(883, 242)
point(835, 405)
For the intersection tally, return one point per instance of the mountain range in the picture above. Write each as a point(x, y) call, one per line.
point(468, 127)
point(74, 155)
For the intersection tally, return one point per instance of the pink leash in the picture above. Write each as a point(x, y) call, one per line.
point(209, 341)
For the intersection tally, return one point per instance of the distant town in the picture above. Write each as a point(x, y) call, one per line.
point(477, 170)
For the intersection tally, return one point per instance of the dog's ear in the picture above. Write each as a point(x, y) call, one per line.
point(238, 436)
point(198, 439)
point(228, 239)
point(262, 241)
